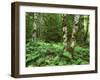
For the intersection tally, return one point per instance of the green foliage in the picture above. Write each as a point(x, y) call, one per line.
point(41, 53)
point(70, 24)
point(81, 55)
point(51, 54)
point(67, 54)
point(52, 27)
point(29, 25)
point(48, 48)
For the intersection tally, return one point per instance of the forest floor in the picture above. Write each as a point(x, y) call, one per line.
point(40, 53)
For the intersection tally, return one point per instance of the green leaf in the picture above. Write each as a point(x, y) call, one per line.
point(67, 54)
point(79, 61)
point(85, 62)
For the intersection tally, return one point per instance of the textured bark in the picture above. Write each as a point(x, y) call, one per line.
point(65, 32)
point(34, 28)
point(69, 45)
point(74, 31)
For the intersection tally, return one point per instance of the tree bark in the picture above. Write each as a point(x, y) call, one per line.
point(41, 26)
point(69, 45)
point(87, 27)
point(34, 27)
point(64, 32)
point(74, 31)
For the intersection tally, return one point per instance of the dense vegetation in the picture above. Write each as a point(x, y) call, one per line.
point(56, 39)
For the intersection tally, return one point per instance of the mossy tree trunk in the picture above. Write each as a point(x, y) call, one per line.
point(70, 44)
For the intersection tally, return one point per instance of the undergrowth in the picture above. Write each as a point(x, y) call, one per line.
point(51, 54)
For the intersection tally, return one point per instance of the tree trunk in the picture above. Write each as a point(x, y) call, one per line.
point(87, 27)
point(64, 32)
point(69, 45)
point(34, 27)
point(41, 26)
point(74, 31)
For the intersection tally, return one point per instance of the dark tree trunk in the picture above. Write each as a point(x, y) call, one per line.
point(65, 32)
point(87, 27)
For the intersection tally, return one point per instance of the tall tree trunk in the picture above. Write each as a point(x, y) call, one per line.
point(87, 27)
point(64, 32)
point(74, 31)
point(34, 27)
point(80, 31)
point(69, 45)
point(41, 26)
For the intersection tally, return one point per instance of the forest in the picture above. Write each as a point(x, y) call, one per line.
point(54, 39)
